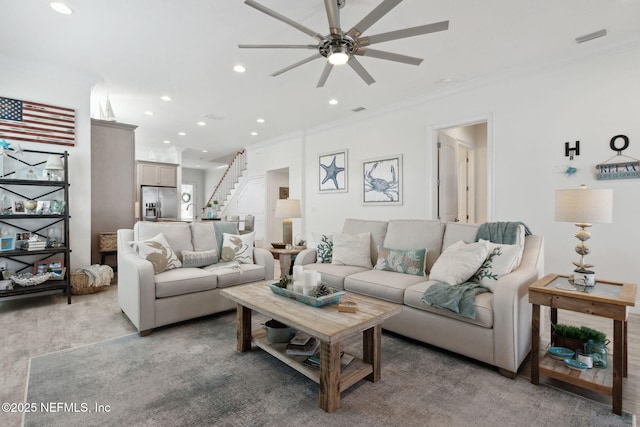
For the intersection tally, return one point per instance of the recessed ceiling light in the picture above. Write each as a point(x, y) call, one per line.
point(149, 113)
point(182, 133)
point(446, 80)
point(205, 151)
point(61, 8)
point(333, 101)
point(254, 133)
point(239, 69)
point(197, 166)
point(166, 141)
point(165, 98)
point(260, 120)
point(201, 124)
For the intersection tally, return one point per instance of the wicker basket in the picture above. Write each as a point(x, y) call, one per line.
point(80, 284)
point(108, 242)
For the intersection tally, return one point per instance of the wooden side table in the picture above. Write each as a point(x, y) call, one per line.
point(605, 299)
point(284, 255)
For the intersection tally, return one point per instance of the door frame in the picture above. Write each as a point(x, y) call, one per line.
point(432, 141)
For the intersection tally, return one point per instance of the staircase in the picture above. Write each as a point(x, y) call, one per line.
point(229, 180)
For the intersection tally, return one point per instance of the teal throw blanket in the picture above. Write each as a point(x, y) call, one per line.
point(501, 232)
point(458, 299)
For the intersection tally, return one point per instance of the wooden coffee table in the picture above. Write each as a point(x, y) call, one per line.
point(326, 324)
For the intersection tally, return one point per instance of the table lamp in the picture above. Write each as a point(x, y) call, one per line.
point(584, 206)
point(287, 209)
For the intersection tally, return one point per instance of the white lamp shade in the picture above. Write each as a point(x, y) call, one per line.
point(54, 162)
point(584, 205)
point(288, 208)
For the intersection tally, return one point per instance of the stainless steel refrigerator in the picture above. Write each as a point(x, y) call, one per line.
point(158, 203)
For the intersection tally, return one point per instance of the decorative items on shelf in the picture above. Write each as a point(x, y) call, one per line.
point(54, 168)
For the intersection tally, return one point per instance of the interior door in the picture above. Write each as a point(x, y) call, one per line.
point(447, 178)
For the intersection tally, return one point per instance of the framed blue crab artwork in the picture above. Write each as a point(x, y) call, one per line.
point(332, 170)
point(382, 181)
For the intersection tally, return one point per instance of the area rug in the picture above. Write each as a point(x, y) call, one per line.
point(191, 375)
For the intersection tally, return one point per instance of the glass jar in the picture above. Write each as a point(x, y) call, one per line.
point(598, 351)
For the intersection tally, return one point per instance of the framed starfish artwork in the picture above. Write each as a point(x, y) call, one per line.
point(332, 172)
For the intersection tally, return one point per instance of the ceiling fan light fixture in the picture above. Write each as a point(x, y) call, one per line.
point(338, 55)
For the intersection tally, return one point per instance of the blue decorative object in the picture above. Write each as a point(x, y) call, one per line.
point(561, 353)
point(333, 172)
point(575, 364)
point(306, 299)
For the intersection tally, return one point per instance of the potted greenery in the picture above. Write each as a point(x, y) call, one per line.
point(574, 337)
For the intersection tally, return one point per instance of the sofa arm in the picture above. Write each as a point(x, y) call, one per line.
point(307, 256)
point(511, 308)
point(264, 258)
point(136, 284)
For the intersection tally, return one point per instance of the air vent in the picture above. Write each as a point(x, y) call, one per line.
point(591, 36)
point(214, 117)
point(357, 110)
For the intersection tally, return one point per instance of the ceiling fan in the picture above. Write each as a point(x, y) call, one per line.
point(340, 47)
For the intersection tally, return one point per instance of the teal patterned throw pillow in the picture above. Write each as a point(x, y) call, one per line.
point(408, 261)
point(324, 248)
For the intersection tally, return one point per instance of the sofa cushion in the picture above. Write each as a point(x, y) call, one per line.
point(483, 302)
point(177, 234)
point(386, 285)
point(378, 230)
point(158, 252)
point(456, 231)
point(501, 260)
point(416, 234)
point(183, 281)
point(238, 274)
point(199, 258)
point(203, 236)
point(333, 275)
point(352, 249)
point(238, 247)
point(409, 261)
point(324, 247)
point(459, 262)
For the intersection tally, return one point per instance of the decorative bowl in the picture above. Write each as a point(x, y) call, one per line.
point(30, 205)
point(561, 353)
point(279, 245)
point(28, 279)
point(332, 298)
point(577, 365)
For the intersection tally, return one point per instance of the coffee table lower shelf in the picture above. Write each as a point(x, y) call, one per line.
point(355, 371)
point(595, 379)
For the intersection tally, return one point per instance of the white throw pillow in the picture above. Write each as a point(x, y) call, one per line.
point(158, 252)
point(199, 258)
point(352, 249)
point(238, 247)
point(501, 260)
point(459, 262)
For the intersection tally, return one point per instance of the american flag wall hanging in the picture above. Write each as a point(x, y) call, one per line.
point(35, 122)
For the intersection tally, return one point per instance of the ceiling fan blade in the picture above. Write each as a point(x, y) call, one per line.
point(278, 46)
point(333, 15)
point(401, 34)
point(284, 19)
point(389, 56)
point(359, 69)
point(297, 64)
point(325, 74)
point(373, 17)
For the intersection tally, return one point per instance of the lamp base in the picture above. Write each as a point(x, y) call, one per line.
point(287, 231)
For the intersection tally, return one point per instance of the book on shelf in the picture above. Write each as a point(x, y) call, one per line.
point(310, 350)
point(314, 361)
point(33, 245)
point(305, 346)
point(300, 339)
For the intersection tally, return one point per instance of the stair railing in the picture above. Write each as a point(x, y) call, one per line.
point(229, 179)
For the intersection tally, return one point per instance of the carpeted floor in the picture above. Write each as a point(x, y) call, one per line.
point(191, 375)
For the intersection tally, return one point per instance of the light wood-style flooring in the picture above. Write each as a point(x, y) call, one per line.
point(44, 324)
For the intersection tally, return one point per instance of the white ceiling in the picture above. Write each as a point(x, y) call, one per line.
point(140, 50)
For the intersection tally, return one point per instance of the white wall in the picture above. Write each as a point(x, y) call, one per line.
point(65, 89)
point(533, 115)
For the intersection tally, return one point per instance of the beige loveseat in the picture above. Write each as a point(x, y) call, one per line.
point(500, 333)
point(151, 300)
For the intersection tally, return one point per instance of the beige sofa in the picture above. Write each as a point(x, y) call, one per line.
point(151, 300)
point(499, 335)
